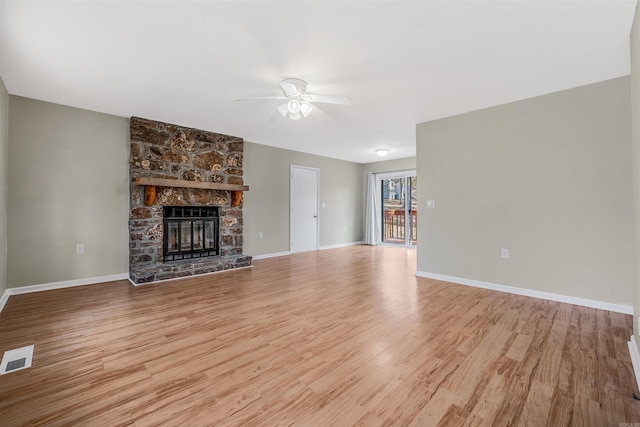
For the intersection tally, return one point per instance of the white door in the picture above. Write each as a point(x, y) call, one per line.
point(304, 208)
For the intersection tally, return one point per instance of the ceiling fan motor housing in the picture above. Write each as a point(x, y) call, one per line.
point(294, 87)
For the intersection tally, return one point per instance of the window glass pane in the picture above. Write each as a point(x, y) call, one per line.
point(209, 235)
point(197, 235)
point(399, 210)
point(185, 244)
point(393, 210)
point(172, 242)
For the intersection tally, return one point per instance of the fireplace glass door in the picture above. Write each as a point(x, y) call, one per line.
point(190, 232)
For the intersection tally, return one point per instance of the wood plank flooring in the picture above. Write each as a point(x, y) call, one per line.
point(339, 337)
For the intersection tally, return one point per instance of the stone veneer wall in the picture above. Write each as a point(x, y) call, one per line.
point(162, 150)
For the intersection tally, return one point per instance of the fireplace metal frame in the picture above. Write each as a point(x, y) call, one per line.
point(190, 214)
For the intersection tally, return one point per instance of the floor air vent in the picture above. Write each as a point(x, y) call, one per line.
point(15, 360)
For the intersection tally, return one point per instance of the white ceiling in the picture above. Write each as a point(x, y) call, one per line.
point(401, 63)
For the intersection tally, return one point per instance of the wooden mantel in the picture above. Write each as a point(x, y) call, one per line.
point(178, 183)
point(151, 183)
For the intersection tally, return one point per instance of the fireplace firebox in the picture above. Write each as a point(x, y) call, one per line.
point(190, 232)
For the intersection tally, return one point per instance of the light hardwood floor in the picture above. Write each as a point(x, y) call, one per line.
point(339, 337)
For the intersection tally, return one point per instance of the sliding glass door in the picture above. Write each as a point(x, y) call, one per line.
point(399, 208)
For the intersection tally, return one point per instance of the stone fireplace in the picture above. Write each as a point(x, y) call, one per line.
point(176, 230)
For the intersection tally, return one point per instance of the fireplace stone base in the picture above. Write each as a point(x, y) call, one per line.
point(186, 268)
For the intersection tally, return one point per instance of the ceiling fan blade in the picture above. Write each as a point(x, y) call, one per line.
point(275, 116)
point(289, 89)
point(258, 98)
point(329, 99)
point(318, 113)
point(306, 108)
point(282, 109)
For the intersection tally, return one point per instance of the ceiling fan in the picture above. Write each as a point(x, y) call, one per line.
point(298, 103)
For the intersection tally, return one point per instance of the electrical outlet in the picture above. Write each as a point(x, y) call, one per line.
point(260, 235)
point(79, 248)
point(504, 253)
point(431, 204)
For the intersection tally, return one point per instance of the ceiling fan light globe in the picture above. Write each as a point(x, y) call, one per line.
point(293, 106)
point(295, 116)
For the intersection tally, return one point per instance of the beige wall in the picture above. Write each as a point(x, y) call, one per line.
point(635, 137)
point(68, 184)
point(4, 147)
point(266, 205)
point(72, 164)
point(389, 166)
point(549, 178)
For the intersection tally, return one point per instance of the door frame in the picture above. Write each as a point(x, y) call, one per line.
point(317, 170)
point(407, 173)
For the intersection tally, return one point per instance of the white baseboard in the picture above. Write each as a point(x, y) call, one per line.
point(67, 284)
point(618, 308)
point(173, 279)
point(397, 245)
point(635, 358)
point(3, 299)
point(341, 245)
point(273, 255)
point(320, 248)
point(59, 285)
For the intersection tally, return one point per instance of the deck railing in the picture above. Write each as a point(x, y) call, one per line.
point(394, 225)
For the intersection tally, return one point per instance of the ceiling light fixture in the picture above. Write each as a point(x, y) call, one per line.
point(297, 109)
point(382, 151)
point(298, 103)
